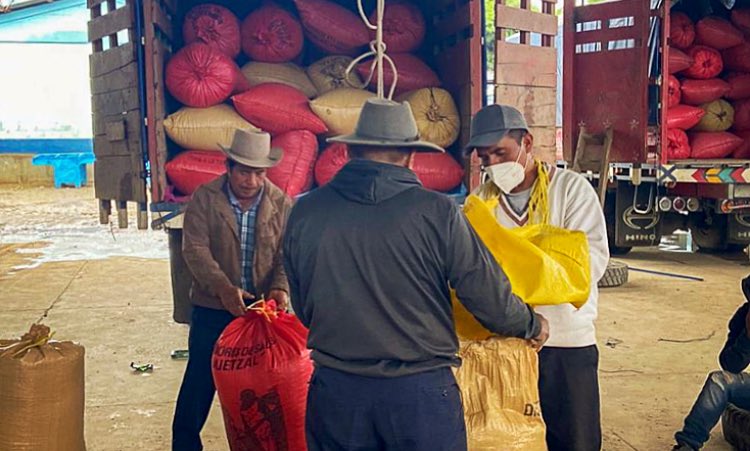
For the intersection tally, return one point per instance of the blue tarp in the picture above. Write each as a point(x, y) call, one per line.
point(45, 146)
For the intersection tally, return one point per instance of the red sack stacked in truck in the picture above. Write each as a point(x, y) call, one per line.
point(709, 145)
point(717, 33)
point(294, 174)
point(739, 86)
point(271, 35)
point(331, 27)
point(674, 94)
point(698, 92)
point(277, 109)
point(741, 19)
point(678, 144)
point(738, 58)
point(684, 116)
point(193, 168)
point(741, 114)
point(707, 63)
point(678, 61)
point(333, 158)
point(743, 151)
point(681, 31)
point(200, 76)
point(437, 171)
point(261, 369)
point(403, 27)
point(413, 73)
point(214, 26)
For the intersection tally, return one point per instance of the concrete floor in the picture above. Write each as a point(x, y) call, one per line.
point(119, 308)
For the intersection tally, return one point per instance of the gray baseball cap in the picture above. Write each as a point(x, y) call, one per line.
point(492, 123)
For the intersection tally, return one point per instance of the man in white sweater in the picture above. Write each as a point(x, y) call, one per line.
point(568, 364)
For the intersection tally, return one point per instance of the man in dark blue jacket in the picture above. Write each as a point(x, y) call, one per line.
point(722, 387)
point(369, 259)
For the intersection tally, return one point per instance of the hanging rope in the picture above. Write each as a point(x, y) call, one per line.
point(377, 50)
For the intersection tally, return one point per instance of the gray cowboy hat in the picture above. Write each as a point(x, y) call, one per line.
point(385, 123)
point(253, 149)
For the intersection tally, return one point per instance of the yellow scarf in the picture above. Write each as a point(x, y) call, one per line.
point(538, 201)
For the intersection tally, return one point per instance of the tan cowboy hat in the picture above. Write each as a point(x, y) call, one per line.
point(253, 149)
point(385, 123)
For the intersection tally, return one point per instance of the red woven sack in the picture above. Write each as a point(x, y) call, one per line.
point(193, 168)
point(739, 86)
point(678, 61)
point(678, 145)
point(709, 145)
point(331, 27)
point(277, 109)
point(294, 174)
point(270, 34)
point(403, 27)
point(214, 26)
point(437, 171)
point(261, 369)
point(413, 73)
point(200, 76)
point(681, 31)
point(717, 33)
point(698, 92)
point(743, 151)
point(331, 160)
point(741, 19)
point(738, 58)
point(673, 91)
point(741, 114)
point(707, 63)
point(684, 116)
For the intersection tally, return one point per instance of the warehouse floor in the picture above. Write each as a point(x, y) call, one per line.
point(109, 290)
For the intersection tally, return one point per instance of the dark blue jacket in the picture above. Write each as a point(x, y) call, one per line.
point(735, 356)
point(369, 258)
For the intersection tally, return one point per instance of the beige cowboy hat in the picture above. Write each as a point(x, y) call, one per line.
point(253, 149)
point(385, 123)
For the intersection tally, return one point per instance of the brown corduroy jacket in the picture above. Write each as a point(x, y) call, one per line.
point(211, 243)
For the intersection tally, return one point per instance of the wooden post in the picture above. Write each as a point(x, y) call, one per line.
point(142, 216)
point(105, 210)
point(122, 214)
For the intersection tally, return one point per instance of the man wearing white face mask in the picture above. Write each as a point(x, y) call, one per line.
point(568, 365)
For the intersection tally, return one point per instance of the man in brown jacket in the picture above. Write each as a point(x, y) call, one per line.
point(232, 245)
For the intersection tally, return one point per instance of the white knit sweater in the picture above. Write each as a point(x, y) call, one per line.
point(574, 205)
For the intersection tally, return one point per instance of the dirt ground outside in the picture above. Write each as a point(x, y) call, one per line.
point(110, 290)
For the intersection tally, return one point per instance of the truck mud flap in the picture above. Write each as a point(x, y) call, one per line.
point(738, 228)
point(637, 220)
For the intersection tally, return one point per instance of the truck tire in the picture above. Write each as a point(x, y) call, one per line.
point(736, 426)
point(615, 275)
point(181, 279)
point(709, 232)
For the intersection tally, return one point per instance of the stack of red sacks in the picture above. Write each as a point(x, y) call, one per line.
point(708, 111)
point(204, 75)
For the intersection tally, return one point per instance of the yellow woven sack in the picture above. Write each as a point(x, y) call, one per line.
point(436, 113)
point(719, 117)
point(205, 128)
point(546, 265)
point(500, 394)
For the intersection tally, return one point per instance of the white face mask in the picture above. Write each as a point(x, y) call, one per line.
point(508, 175)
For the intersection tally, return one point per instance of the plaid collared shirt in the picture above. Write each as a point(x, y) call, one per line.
point(246, 229)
